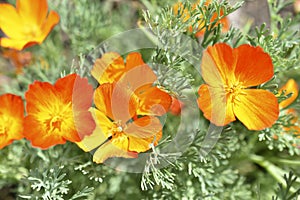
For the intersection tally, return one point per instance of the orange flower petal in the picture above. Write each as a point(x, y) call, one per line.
point(11, 119)
point(253, 66)
point(132, 78)
point(215, 106)
point(257, 110)
point(142, 132)
point(82, 99)
point(38, 135)
point(109, 150)
point(290, 87)
point(32, 10)
point(118, 103)
point(134, 59)
point(176, 106)
point(66, 82)
point(38, 96)
point(49, 23)
point(109, 68)
point(153, 101)
point(218, 64)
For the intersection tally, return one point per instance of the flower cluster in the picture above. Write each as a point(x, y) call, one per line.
point(128, 103)
point(185, 15)
point(127, 108)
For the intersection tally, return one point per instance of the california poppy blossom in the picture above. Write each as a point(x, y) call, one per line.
point(229, 93)
point(118, 134)
point(11, 119)
point(186, 15)
point(111, 68)
point(26, 24)
point(291, 87)
point(57, 113)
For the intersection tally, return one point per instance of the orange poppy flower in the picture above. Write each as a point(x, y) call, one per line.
point(230, 75)
point(58, 113)
point(11, 119)
point(186, 15)
point(18, 59)
point(290, 87)
point(27, 24)
point(117, 134)
point(111, 68)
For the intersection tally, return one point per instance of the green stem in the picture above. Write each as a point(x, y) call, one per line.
point(286, 161)
point(272, 169)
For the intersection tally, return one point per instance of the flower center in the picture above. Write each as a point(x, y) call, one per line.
point(117, 129)
point(234, 90)
point(55, 122)
point(31, 31)
point(2, 130)
point(3, 125)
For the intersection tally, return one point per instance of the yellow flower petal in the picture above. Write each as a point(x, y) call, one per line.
point(257, 109)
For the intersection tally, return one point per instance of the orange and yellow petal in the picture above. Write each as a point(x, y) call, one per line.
point(257, 109)
point(215, 105)
point(218, 64)
point(132, 80)
point(153, 101)
point(253, 66)
point(110, 150)
point(33, 11)
point(142, 132)
point(49, 23)
point(100, 133)
point(103, 122)
point(290, 87)
point(109, 68)
point(16, 44)
point(118, 103)
point(11, 119)
point(66, 82)
point(133, 60)
point(10, 22)
point(39, 135)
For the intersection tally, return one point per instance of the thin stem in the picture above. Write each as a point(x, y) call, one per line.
point(272, 169)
